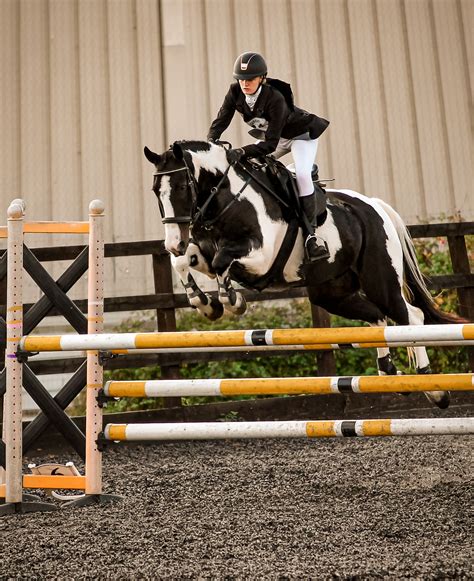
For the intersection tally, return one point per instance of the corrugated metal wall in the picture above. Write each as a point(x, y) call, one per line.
point(85, 84)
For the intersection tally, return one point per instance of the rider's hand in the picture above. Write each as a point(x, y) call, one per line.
point(233, 155)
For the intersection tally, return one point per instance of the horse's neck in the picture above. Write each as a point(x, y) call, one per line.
point(213, 161)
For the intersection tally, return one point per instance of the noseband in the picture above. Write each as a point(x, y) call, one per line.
point(191, 185)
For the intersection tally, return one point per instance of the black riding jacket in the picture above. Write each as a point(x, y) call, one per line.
point(274, 115)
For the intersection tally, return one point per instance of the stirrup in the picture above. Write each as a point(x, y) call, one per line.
point(322, 249)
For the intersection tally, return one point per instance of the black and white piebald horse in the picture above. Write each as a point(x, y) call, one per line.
point(224, 221)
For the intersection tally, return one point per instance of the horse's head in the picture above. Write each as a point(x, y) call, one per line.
point(175, 187)
point(175, 184)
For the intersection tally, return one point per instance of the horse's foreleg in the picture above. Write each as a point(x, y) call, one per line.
point(203, 302)
point(197, 260)
point(233, 300)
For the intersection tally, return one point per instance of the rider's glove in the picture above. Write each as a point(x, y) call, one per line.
point(233, 155)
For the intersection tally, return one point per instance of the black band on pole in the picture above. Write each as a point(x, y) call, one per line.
point(348, 428)
point(258, 337)
point(344, 384)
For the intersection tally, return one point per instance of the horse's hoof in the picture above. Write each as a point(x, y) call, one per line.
point(445, 400)
point(440, 399)
point(214, 309)
point(240, 310)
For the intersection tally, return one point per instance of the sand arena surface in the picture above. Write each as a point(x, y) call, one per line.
point(325, 509)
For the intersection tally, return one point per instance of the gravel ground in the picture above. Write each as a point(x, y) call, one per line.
point(393, 508)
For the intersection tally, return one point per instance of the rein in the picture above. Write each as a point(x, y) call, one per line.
point(207, 224)
point(198, 214)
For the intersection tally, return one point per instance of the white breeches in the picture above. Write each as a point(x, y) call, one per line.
point(304, 155)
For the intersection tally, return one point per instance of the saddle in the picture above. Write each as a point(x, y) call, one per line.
point(283, 179)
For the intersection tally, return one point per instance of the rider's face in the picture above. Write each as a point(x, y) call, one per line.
point(249, 86)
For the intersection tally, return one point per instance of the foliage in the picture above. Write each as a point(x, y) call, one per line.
point(434, 259)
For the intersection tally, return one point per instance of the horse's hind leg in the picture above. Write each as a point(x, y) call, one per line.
point(403, 313)
point(385, 364)
point(357, 306)
point(439, 398)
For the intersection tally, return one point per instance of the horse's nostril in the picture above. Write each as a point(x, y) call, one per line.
point(181, 247)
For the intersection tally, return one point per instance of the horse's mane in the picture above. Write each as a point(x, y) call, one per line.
point(194, 145)
point(211, 157)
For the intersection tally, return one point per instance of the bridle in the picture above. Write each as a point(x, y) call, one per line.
point(197, 214)
point(192, 185)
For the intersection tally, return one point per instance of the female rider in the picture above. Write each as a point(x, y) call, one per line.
point(267, 105)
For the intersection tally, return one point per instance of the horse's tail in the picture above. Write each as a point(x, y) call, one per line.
point(415, 281)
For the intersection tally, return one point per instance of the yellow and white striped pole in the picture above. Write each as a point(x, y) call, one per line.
point(276, 348)
point(288, 429)
point(368, 336)
point(290, 385)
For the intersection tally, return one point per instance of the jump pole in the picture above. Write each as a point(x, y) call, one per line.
point(369, 336)
point(315, 347)
point(290, 385)
point(287, 429)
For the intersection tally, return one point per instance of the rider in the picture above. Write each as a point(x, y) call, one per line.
point(267, 105)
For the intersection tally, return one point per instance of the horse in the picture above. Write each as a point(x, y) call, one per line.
point(227, 222)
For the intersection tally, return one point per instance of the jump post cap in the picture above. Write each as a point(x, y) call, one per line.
point(96, 207)
point(16, 210)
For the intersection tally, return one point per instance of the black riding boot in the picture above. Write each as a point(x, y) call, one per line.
point(309, 204)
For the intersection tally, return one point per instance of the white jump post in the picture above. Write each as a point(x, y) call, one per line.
point(95, 372)
point(95, 324)
point(13, 412)
point(15, 500)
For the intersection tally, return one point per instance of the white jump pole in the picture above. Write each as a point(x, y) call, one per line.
point(290, 385)
point(276, 348)
point(288, 429)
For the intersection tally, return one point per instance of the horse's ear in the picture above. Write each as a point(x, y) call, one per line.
point(151, 156)
point(178, 151)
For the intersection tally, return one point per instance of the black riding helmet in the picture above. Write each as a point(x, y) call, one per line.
point(249, 65)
